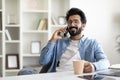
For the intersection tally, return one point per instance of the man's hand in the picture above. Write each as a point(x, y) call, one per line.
point(56, 34)
point(88, 67)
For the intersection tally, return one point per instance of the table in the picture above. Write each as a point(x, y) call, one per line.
point(45, 76)
point(68, 75)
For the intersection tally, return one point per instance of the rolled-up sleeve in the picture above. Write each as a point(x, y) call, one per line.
point(101, 59)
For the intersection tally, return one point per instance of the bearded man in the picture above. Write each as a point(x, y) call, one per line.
point(61, 50)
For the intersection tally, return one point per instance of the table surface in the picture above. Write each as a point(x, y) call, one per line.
point(68, 75)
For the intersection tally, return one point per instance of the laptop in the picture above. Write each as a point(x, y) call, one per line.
point(111, 72)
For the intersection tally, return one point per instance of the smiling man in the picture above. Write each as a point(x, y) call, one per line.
point(60, 51)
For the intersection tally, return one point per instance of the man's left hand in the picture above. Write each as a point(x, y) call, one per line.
point(88, 67)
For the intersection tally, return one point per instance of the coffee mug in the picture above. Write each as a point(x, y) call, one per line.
point(78, 66)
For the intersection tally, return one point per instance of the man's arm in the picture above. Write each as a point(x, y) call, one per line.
point(46, 53)
point(48, 50)
point(101, 59)
point(101, 62)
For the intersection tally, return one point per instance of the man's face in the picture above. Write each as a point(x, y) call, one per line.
point(74, 25)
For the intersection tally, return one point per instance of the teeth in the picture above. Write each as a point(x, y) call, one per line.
point(73, 30)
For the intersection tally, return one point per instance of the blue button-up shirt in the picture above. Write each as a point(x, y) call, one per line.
point(90, 50)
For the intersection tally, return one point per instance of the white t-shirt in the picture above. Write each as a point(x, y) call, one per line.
point(71, 53)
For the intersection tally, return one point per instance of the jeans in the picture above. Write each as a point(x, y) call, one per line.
point(27, 71)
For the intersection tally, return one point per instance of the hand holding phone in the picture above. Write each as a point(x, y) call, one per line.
point(63, 34)
point(59, 34)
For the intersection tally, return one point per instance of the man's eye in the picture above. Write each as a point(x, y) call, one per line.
point(76, 21)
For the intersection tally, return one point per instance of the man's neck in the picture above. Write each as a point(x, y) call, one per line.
point(77, 37)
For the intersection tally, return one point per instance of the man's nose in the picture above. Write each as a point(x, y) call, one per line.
point(72, 24)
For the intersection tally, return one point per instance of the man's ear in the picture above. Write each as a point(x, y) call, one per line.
point(83, 26)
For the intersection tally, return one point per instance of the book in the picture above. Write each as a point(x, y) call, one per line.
point(45, 25)
point(8, 34)
point(54, 22)
point(0, 22)
point(115, 66)
point(38, 23)
point(42, 24)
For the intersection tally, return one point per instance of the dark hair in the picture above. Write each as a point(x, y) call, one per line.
point(74, 11)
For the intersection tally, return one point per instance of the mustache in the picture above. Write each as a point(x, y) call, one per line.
point(73, 27)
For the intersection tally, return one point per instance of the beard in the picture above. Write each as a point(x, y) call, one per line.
point(73, 31)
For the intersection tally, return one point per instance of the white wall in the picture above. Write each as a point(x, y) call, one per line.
point(101, 23)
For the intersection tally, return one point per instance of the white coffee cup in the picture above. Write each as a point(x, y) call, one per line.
point(78, 66)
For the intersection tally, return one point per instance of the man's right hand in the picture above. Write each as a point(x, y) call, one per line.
point(56, 35)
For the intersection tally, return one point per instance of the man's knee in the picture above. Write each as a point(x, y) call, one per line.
point(27, 71)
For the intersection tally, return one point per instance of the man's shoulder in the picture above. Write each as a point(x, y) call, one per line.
point(86, 38)
point(89, 40)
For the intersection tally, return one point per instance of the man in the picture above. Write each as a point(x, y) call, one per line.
point(60, 51)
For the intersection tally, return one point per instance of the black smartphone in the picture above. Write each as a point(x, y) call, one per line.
point(63, 34)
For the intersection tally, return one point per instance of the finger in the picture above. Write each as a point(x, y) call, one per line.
point(86, 64)
point(87, 70)
point(87, 67)
point(62, 30)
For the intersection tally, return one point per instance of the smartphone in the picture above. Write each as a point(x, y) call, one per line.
point(63, 34)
